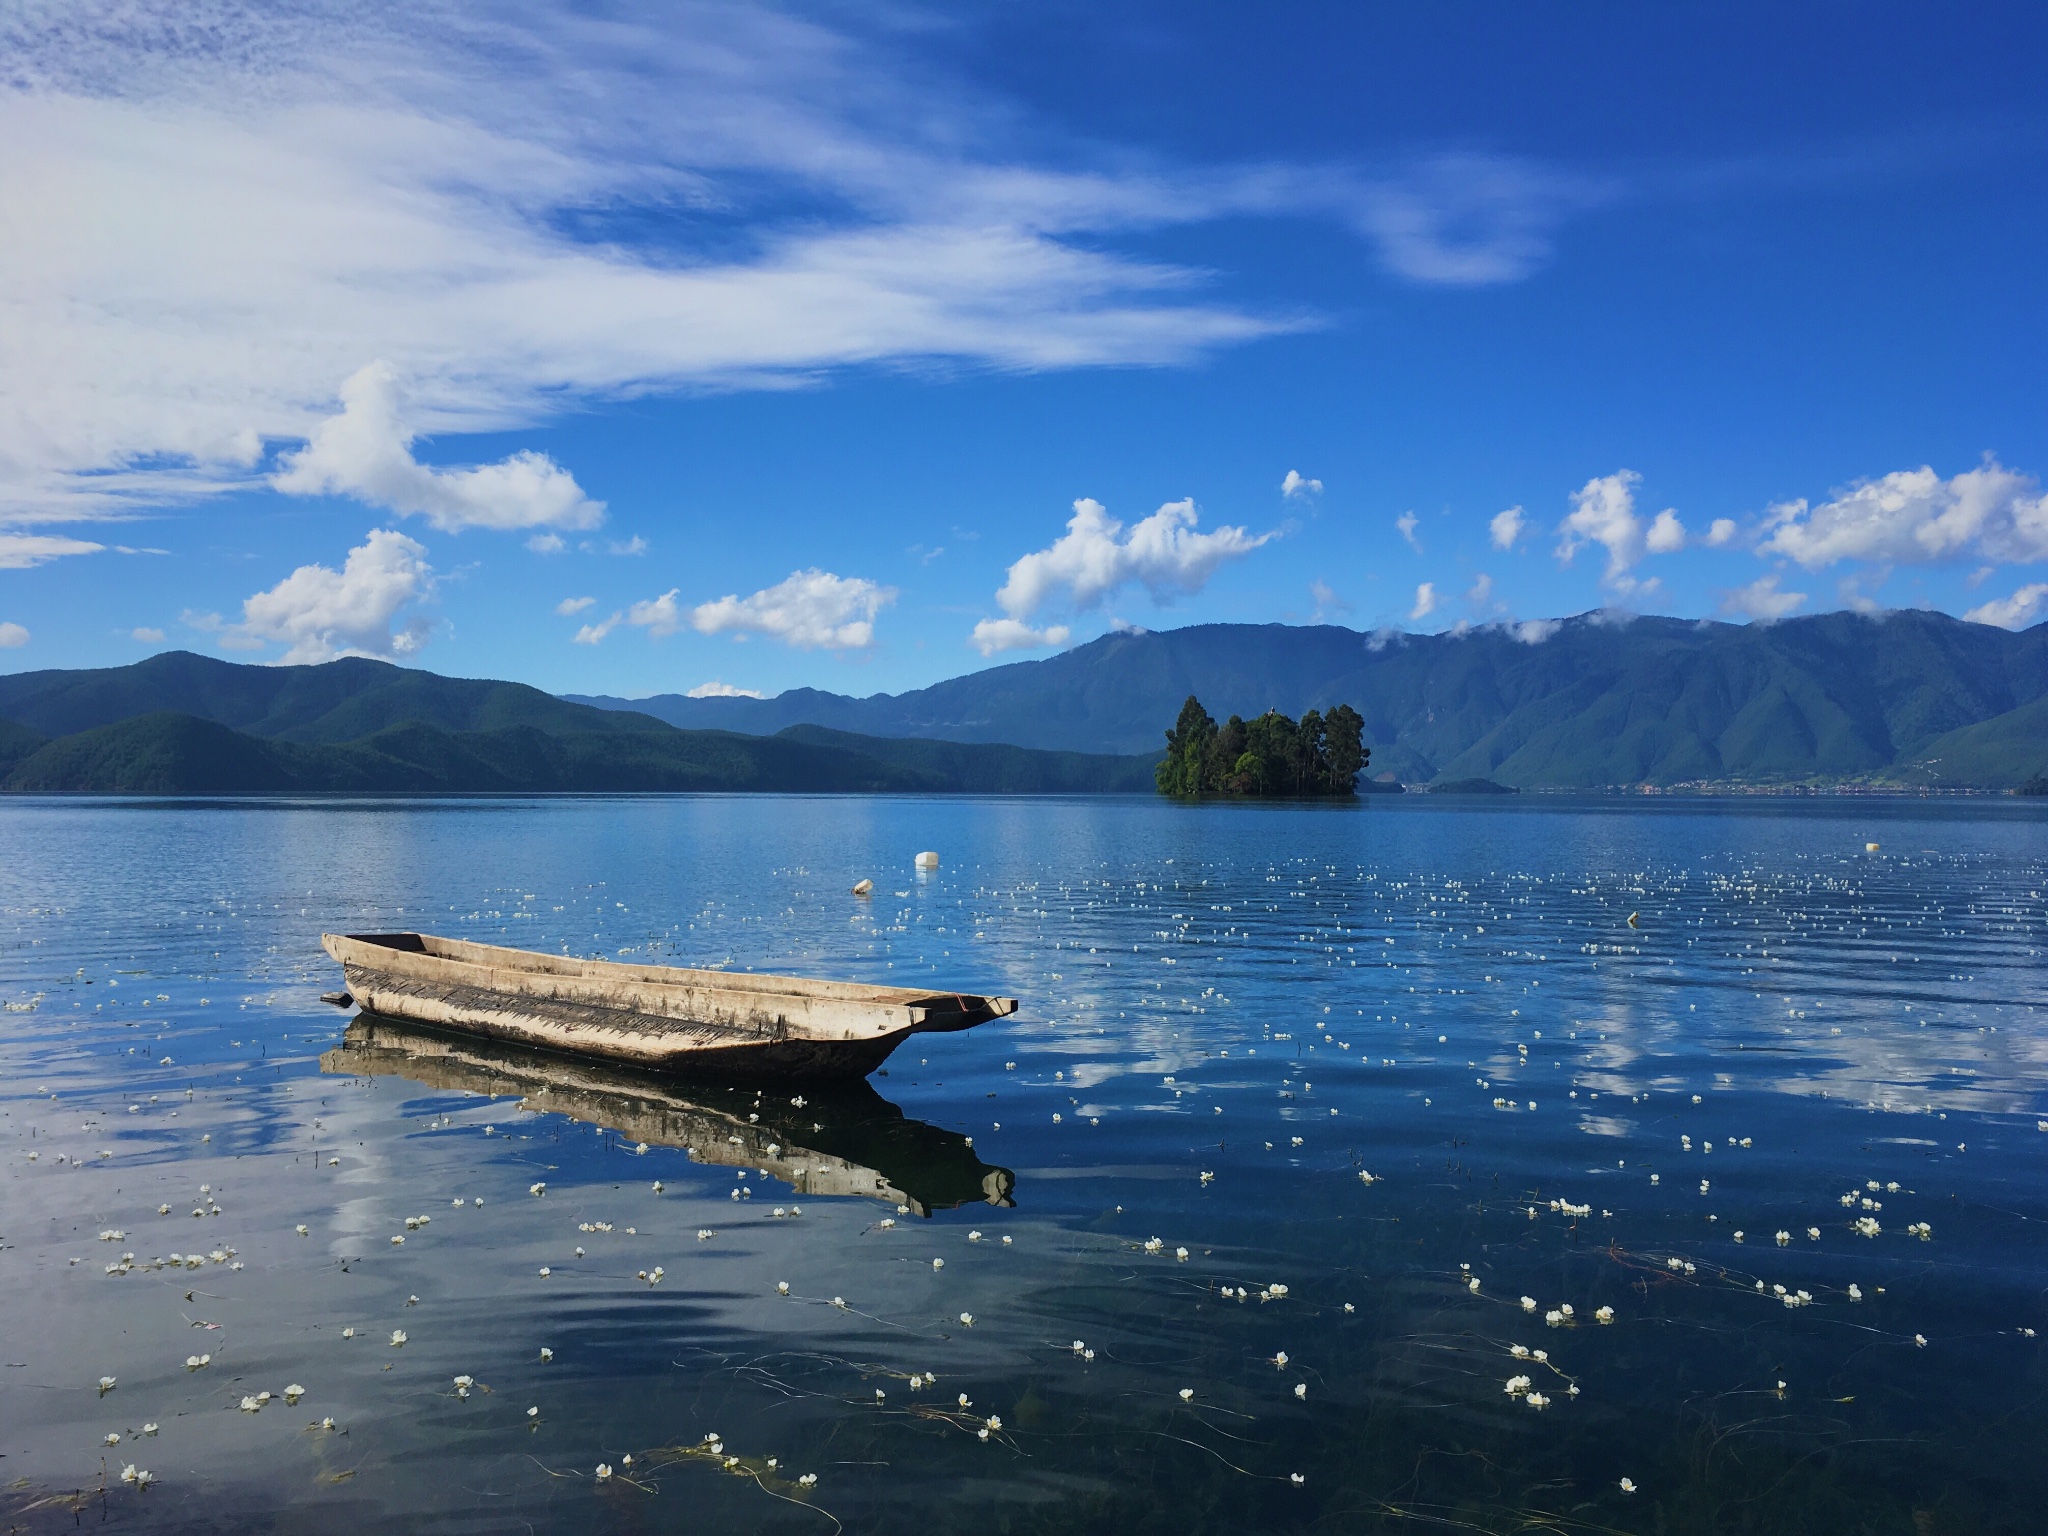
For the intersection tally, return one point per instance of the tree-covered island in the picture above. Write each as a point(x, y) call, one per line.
point(1271, 757)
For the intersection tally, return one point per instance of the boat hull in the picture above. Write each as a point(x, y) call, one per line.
point(707, 1022)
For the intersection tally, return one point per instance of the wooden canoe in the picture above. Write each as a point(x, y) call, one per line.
point(831, 1139)
point(716, 1023)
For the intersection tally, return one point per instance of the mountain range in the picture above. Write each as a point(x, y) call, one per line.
point(1908, 698)
point(185, 724)
point(1902, 699)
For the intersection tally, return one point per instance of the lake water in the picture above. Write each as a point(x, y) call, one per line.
point(1332, 1136)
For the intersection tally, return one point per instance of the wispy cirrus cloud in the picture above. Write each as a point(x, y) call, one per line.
point(220, 211)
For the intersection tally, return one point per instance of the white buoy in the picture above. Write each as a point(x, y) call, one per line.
point(927, 860)
point(864, 888)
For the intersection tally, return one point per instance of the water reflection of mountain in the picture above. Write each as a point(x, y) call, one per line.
point(821, 1139)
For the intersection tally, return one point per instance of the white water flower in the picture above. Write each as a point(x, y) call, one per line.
point(603, 1471)
point(1604, 1315)
point(782, 1287)
point(1187, 1394)
point(106, 1384)
point(293, 1393)
point(1628, 1485)
point(966, 1319)
point(397, 1338)
point(1301, 1390)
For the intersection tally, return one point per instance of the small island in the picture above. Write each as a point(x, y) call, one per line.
point(1270, 758)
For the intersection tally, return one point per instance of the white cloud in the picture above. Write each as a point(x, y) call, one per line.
point(717, 690)
point(1850, 590)
point(1468, 219)
point(12, 636)
point(547, 544)
point(21, 551)
point(1481, 592)
point(1604, 512)
point(2026, 606)
point(1506, 527)
point(569, 606)
point(593, 634)
point(659, 616)
point(321, 613)
point(1407, 522)
point(633, 546)
point(1913, 517)
point(1295, 485)
point(1761, 599)
point(366, 452)
point(147, 635)
point(1425, 602)
point(993, 635)
point(219, 209)
point(1162, 553)
point(1328, 599)
point(1720, 533)
point(812, 610)
point(1535, 631)
point(1666, 535)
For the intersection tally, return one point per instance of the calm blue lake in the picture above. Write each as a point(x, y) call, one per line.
point(1344, 1169)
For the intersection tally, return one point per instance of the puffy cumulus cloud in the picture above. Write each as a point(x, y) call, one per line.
point(568, 607)
point(1425, 602)
point(660, 616)
point(21, 551)
point(1720, 533)
point(993, 635)
point(1296, 486)
point(319, 613)
point(1408, 522)
point(593, 634)
point(1914, 517)
point(1604, 512)
point(1506, 527)
point(2026, 606)
point(811, 610)
point(717, 690)
point(1535, 631)
point(12, 636)
point(1761, 600)
point(1096, 557)
point(366, 452)
point(1666, 535)
point(547, 544)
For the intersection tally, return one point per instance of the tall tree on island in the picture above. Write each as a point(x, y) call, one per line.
point(1269, 757)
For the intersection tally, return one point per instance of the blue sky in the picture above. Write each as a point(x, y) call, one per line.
point(857, 347)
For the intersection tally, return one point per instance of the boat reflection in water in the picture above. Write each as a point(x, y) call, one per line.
point(839, 1138)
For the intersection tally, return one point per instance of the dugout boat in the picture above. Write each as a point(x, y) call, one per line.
point(710, 1023)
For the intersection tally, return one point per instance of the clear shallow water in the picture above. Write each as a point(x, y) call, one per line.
point(1278, 998)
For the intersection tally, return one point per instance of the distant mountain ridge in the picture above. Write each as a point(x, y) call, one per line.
point(1908, 697)
point(185, 724)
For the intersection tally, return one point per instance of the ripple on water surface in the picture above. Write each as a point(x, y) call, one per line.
point(1344, 1168)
